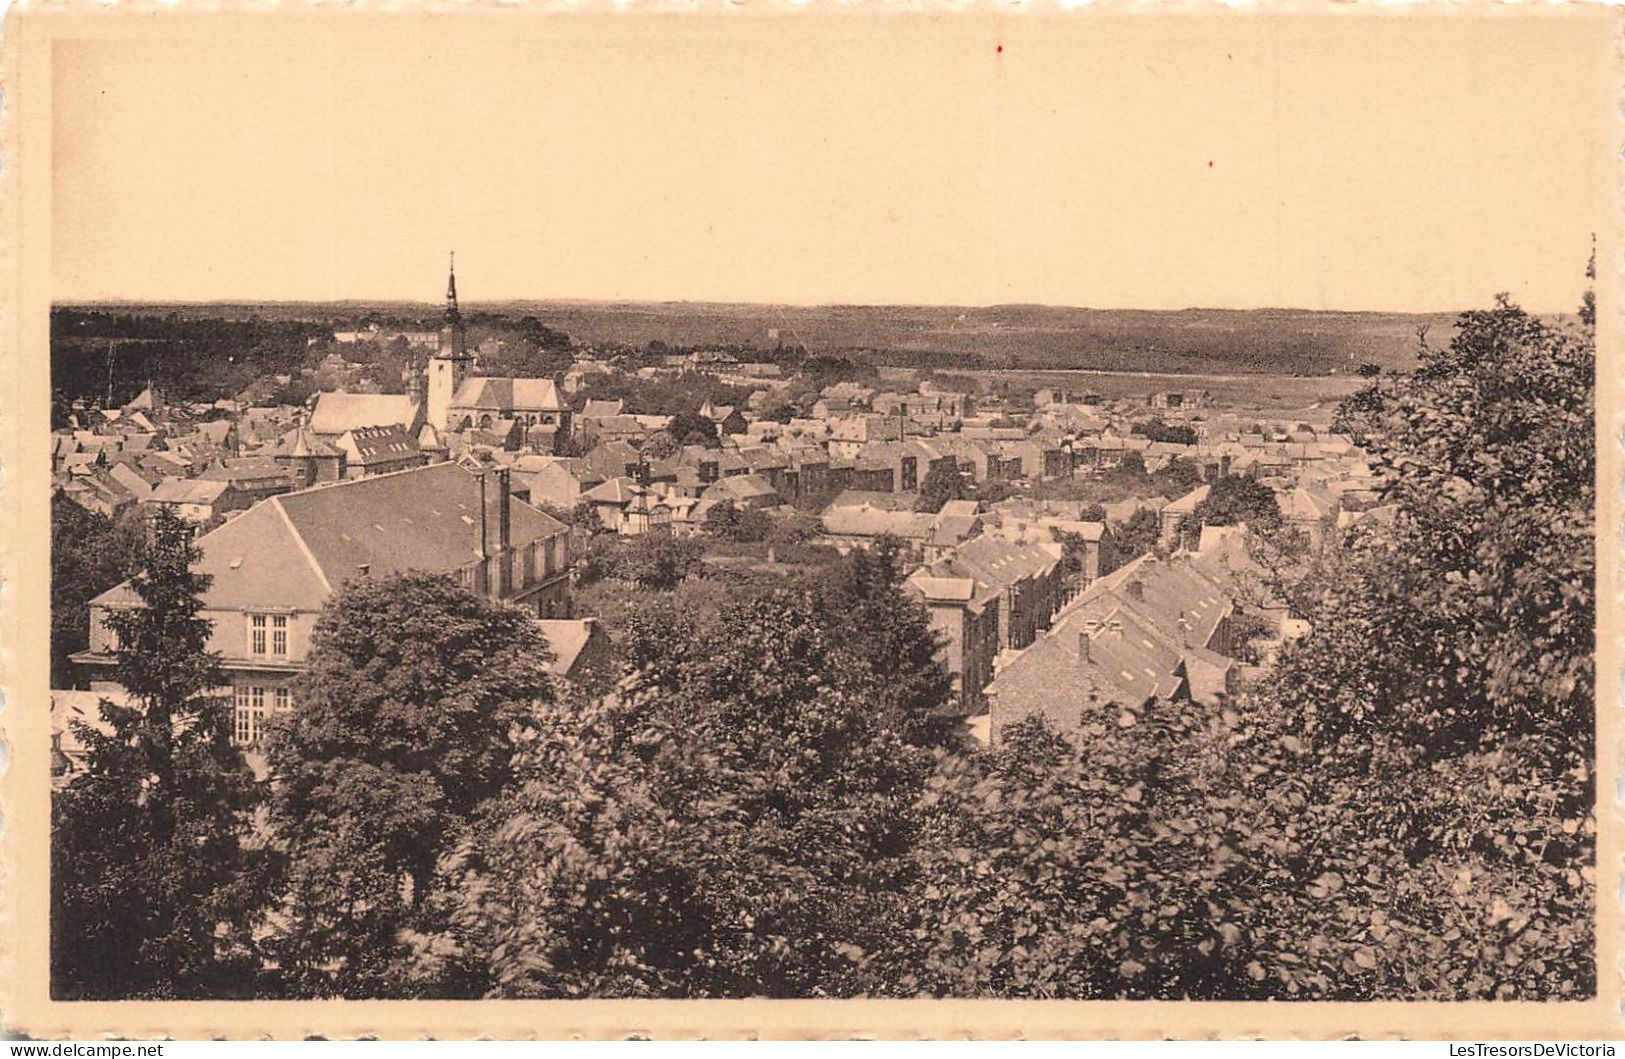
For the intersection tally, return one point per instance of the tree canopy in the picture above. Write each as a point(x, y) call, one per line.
point(154, 879)
point(407, 719)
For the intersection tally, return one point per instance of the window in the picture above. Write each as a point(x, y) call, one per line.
point(256, 634)
point(248, 715)
point(279, 634)
point(284, 699)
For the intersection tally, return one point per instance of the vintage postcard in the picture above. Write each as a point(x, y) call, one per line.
point(967, 521)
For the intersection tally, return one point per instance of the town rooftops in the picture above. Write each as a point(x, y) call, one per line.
point(302, 443)
point(740, 487)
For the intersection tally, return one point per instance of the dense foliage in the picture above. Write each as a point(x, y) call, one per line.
point(1157, 430)
point(1236, 499)
point(90, 553)
point(414, 694)
point(943, 482)
point(153, 881)
point(93, 352)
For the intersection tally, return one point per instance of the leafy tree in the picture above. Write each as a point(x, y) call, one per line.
point(685, 425)
point(90, 553)
point(1131, 466)
point(1113, 862)
point(883, 650)
point(652, 560)
point(1177, 477)
point(727, 520)
point(795, 528)
point(1139, 534)
point(1236, 499)
point(1443, 707)
point(734, 826)
point(1157, 430)
point(154, 879)
point(406, 721)
point(661, 446)
point(942, 483)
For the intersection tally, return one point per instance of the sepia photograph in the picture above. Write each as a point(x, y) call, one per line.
point(830, 506)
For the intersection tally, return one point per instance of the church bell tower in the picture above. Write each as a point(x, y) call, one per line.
point(450, 363)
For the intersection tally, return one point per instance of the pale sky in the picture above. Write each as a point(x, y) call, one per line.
point(1125, 161)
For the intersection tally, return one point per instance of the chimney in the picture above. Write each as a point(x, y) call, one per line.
point(1083, 645)
point(504, 509)
point(484, 538)
point(1136, 589)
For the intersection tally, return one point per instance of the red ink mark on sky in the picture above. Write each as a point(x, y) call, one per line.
point(998, 49)
point(1210, 163)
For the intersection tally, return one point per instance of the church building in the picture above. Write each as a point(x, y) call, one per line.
point(458, 400)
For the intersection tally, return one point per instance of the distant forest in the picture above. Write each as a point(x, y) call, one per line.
point(97, 355)
point(207, 350)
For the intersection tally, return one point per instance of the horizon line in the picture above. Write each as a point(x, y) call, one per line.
point(429, 305)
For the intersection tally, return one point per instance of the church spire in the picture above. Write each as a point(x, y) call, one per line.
point(453, 316)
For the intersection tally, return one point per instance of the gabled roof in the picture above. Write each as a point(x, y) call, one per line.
point(336, 413)
point(302, 443)
point(426, 518)
point(253, 471)
point(619, 490)
point(739, 487)
point(566, 639)
point(509, 395)
point(187, 491)
point(1186, 504)
point(867, 521)
point(601, 407)
point(998, 562)
point(380, 444)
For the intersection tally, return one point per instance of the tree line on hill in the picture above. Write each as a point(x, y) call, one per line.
point(775, 800)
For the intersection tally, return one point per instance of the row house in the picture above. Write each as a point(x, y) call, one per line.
point(964, 615)
point(1028, 577)
point(1154, 630)
point(629, 509)
point(752, 491)
point(559, 481)
point(849, 436)
point(1095, 541)
point(273, 567)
